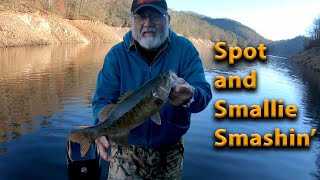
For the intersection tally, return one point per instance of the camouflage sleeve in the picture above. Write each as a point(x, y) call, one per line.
point(107, 85)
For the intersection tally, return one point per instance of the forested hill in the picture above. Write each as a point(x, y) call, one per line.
point(190, 25)
point(246, 33)
point(116, 13)
point(288, 47)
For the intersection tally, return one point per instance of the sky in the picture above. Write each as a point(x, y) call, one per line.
point(273, 19)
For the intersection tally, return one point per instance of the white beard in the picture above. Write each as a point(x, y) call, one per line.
point(151, 42)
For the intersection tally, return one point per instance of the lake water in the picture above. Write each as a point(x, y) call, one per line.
point(46, 91)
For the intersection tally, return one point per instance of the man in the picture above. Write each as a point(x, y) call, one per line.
point(151, 48)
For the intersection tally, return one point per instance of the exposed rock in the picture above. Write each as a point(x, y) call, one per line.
point(20, 29)
point(309, 58)
point(98, 32)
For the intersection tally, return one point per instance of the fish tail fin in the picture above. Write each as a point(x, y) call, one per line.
point(83, 137)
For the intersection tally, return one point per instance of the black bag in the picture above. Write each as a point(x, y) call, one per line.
point(87, 167)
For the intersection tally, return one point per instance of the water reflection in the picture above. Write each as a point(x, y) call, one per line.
point(206, 55)
point(35, 81)
point(277, 79)
point(311, 95)
point(312, 103)
point(47, 90)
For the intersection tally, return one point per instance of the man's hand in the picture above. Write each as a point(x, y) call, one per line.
point(103, 144)
point(181, 92)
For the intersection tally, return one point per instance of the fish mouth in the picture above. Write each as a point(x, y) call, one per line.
point(164, 90)
point(173, 77)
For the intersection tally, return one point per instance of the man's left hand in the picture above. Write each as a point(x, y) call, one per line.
point(181, 92)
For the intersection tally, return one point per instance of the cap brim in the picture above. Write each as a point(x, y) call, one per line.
point(150, 5)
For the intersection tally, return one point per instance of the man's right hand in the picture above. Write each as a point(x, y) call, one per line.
point(103, 145)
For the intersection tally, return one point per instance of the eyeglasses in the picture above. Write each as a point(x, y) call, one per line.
point(155, 18)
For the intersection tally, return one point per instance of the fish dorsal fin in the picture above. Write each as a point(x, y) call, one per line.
point(156, 118)
point(104, 112)
point(124, 96)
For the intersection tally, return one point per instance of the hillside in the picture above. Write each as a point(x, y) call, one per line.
point(251, 37)
point(91, 21)
point(286, 48)
point(190, 25)
point(309, 58)
point(116, 13)
point(19, 29)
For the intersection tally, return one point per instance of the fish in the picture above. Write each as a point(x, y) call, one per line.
point(131, 110)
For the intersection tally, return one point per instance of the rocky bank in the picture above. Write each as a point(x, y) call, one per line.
point(43, 28)
point(309, 58)
point(18, 29)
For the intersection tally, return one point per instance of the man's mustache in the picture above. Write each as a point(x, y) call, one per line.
point(149, 30)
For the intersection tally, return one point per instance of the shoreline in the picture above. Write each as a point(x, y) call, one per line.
point(19, 29)
point(24, 29)
point(308, 58)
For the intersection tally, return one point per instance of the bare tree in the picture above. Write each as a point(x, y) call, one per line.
point(314, 34)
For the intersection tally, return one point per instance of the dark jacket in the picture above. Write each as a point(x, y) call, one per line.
point(125, 70)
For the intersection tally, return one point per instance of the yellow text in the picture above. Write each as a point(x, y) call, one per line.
point(277, 139)
point(235, 53)
point(269, 109)
point(248, 82)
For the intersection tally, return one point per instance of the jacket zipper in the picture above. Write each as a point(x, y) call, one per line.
point(149, 131)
